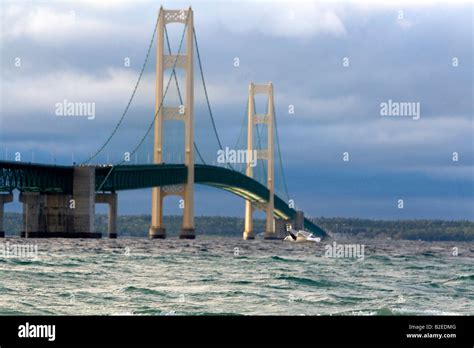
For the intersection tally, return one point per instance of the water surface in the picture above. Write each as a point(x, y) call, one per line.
point(226, 275)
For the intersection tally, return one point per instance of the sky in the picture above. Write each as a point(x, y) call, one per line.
point(335, 64)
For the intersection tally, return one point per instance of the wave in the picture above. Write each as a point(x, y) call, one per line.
point(146, 291)
point(241, 282)
point(283, 259)
point(307, 281)
point(429, 254)
point(467, 277)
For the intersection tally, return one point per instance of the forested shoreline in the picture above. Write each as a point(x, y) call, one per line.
point(428, 230)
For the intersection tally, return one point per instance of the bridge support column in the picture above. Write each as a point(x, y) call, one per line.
point(111, 200)
point(62, 215)
point(262, 154)
point(298, 222)
point(84, 200)
point(4, 198)
point(248, 224)
point(59, 215)
point(270, 221)
point(188, 231)
point(33, 219)
point(157, 231)
point(182, 113)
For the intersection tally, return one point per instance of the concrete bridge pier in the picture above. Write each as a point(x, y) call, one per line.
point(298, 221)
point(187, 233)
point(248, 222)
point(45, 215)
point(84, 199)
point(56, 216)
point(111, 200)
point(270, 232)
point(62, 215)
point(157, 230)
point(33, 218)
point(4, 198)
point(58, 219)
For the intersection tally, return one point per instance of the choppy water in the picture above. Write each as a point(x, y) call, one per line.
point(210, 276)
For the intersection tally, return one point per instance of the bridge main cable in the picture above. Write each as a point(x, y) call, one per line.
point(207, 97)
point(156, 113)
point(119, 123)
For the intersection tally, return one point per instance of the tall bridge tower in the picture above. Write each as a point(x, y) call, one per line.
point(184, 113)
point(264, 154)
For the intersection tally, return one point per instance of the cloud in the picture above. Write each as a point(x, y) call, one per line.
point(455, 171)
point(49, 24)
point(405, 23)
point(110, 90)
point(322, 109)
point(303, 19)
point(378, 143)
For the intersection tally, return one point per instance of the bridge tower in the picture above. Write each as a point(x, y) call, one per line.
point(164, 62)
point(264, 154)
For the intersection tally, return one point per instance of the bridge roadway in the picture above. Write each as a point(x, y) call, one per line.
point(43, 178)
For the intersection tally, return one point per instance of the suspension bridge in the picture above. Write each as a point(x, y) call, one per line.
point(59, 200)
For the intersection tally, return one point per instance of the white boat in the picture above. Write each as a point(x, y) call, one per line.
point(300, 236)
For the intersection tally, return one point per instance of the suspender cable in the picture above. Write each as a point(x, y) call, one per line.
point(119, 123)
point(207, 97)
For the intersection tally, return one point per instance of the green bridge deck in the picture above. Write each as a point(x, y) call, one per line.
point(32, 177)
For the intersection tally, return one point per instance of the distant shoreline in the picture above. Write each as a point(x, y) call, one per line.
point(423, 229)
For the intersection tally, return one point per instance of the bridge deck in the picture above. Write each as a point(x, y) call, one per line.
point(58, 179)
